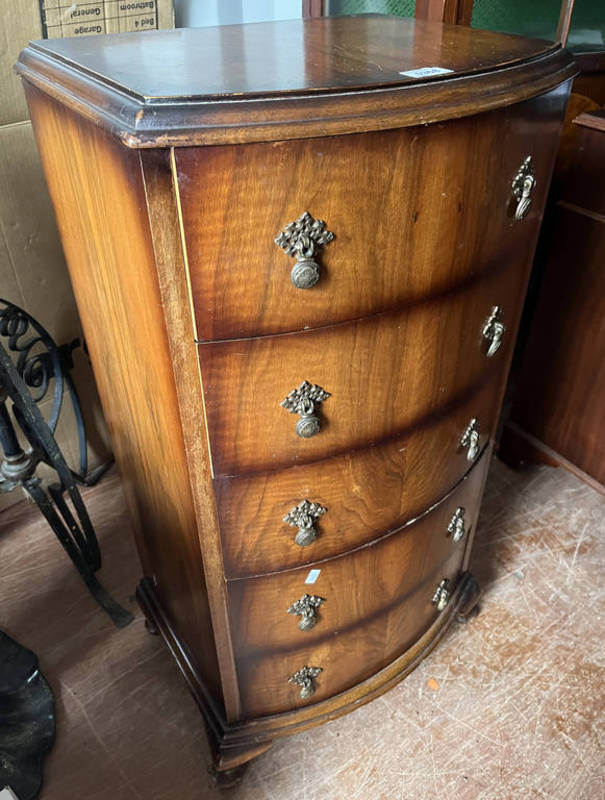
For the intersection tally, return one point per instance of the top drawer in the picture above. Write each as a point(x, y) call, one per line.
point(414, 212)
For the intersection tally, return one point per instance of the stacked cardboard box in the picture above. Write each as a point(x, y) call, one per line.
point(32, 268)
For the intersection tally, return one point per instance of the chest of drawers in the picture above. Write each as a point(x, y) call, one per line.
point(300, 252)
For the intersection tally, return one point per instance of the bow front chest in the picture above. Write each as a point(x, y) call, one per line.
point(300, 252)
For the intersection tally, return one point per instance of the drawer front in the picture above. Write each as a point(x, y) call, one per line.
point(354, 587)
point(413, 211)
point(366, 492)
point(385, 374)
point(346, 657)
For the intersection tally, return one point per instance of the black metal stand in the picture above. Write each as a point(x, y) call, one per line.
point(39, 361)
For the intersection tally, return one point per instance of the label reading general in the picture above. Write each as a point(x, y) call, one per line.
point(312, 576)
point(425, 72)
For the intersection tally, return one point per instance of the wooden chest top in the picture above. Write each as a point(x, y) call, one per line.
point(289, 79)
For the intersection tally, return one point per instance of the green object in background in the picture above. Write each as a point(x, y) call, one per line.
point(537, 19)
point(400, 8)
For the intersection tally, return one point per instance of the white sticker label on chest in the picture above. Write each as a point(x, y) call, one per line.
point(425, 72)
point(312, 576)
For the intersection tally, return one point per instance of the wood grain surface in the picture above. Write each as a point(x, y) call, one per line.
point(99, 199)
point(415, 212)
point(424, 248)
point(305, 78)
point(366, 492)
point(356, 586)
point(385, 374)
point(347, 658)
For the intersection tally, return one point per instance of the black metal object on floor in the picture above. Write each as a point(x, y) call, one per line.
point(39, 362)
point(27, 719)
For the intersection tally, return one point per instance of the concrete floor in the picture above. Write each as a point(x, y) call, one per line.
point(509, 706)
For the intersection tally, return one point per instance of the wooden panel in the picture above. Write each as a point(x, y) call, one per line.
point(99, 199)
point(562, 393)
point(356, 586)
point(415, 213)
point(366, 492)
point(385, 373)
point(348, 657)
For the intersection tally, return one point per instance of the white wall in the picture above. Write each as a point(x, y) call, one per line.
point(198, 13)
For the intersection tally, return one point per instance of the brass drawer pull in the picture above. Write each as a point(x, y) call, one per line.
point(302, 238)
point(470, 440)
point(303, 401)
point(305, 678)
point(456, 525)
point(306, 608)
point(442, 595)
point(304, 516)
point(493, 331)
point(523, 185)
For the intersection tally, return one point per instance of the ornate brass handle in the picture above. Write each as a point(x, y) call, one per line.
point(303, 401)
point(442, 595)
point(470, 439)
point(304, 516)
point(306, 609)
point(305, 678)
point(523, 185)
point(456, 525)
point(493, 330)
point(302, 238)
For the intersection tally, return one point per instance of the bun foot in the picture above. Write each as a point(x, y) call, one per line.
point(151, 627)
point(469, 606)
point(227, 778)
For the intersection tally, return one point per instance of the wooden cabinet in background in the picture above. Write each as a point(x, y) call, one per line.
point(300, 265)
point(557, 414)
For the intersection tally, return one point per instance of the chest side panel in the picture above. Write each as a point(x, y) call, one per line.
point(99, 199)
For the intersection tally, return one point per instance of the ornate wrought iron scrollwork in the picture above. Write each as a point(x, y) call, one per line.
point(303, 401)
point(302, 238)
point(493, 330)
point(523, 185)
point(39, 363)
point(442, 595)
point(456, 525)
point(305, 678)
point(304, 516)
point(306, 608)
point(470, 440)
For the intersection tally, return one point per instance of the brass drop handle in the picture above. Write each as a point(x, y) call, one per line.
point(493, 331)
point(303, 401)
point(305, 678)
point(302, 238)
point(523, 185)
point(456, 525)
point(306, 609)
point(442, 595)
point(304, 517)
point(470, 440)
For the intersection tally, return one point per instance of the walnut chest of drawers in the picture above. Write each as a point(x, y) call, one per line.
point(300, 252)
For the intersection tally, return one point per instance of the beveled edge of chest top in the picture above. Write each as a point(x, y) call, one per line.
point(288, 80)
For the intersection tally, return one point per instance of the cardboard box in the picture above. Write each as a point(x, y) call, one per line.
point(33, 274)
point(23, 20)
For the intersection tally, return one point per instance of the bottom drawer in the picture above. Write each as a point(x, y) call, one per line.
point(377, 603)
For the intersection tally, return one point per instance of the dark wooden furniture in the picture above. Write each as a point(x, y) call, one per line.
point(299, 564)
point(557, 415)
